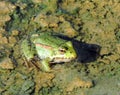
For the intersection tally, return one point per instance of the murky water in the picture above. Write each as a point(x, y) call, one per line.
point(92, 26)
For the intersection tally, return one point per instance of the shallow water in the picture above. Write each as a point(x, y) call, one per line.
point(92, 26)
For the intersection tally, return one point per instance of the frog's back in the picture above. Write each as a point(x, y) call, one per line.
point(49, 39)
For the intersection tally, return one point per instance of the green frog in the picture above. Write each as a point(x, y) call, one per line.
point(49, 48)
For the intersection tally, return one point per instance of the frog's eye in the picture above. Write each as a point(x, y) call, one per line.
point(62, 50)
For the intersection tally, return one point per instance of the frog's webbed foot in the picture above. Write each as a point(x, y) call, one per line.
point(31, 63)
point(26, 62)
point(35, 64)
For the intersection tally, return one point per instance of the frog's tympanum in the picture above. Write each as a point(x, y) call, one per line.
point(49, 48)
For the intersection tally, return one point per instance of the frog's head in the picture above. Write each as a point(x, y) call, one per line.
point(64, 53)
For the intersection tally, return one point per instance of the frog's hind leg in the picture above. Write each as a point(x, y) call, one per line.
point(26, 62)
point(35, 64)
point(31, 63)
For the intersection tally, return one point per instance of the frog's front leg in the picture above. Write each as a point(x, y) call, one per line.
point(45, 65)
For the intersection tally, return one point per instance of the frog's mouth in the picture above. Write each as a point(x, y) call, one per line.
point(63, 59)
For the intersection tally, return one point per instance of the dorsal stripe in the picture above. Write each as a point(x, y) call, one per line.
point(44, 46)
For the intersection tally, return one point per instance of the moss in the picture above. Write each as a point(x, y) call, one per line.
point(95, 22)
point(21, 1)
point(51, 6)
point(118, 36)
point(27, 87)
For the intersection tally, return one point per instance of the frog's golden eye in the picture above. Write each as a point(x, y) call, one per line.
point(62, 50)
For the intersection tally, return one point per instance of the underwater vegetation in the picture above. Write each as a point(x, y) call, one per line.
point(92, 26)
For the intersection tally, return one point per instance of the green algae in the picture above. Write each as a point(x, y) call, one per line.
point(14, 83)
point(96, 22)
